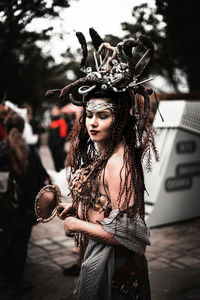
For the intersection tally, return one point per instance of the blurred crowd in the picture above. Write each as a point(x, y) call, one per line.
point(22, 175)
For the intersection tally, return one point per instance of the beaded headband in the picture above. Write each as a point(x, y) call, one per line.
point(93, 107)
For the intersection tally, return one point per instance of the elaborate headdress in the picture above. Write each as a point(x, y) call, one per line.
point(118, 69)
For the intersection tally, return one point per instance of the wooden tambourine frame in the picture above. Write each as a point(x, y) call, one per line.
point(46, 203)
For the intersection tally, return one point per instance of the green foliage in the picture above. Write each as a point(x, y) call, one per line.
point(25, 72)
point(174, 29)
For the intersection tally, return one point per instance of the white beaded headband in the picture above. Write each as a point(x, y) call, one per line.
point(93, 107)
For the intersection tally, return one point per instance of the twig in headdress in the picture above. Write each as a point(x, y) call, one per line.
point(133, 83)
point(155, 96)
point(96, 62)
point(104, 60)
point(100, 58)
point(109, 47)
point(148, 43)
point(139, 62)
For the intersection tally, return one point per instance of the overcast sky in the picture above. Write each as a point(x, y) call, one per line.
point(105, 16)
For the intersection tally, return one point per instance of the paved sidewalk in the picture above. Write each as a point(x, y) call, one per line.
point(174, 261)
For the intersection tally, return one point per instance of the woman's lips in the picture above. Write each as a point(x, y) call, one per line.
point(94, 132)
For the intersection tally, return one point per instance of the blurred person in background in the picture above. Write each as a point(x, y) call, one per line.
point(70, 119)
point(22, 175)
point(29, 136)
point(38, 127)
point(58, 131)
point(3, 115)
point(2, 130)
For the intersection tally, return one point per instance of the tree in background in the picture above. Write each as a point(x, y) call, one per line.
point(25, 72)
point(174, 29)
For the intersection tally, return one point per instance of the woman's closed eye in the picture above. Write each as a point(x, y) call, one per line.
point(103, 116)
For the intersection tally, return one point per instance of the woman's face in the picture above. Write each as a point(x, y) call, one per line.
point(98, 119)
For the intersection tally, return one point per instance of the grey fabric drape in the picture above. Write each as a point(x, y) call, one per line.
point(97, 269)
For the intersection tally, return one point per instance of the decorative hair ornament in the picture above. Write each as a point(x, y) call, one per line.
point(93, 107)
point(118, 68)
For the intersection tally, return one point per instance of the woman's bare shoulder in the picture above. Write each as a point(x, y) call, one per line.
point(115, 176)
point(115, 162)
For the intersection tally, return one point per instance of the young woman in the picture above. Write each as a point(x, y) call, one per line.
point(108, 144)
point(107, 189)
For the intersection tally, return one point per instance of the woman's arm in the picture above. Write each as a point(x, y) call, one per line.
point(90, 230)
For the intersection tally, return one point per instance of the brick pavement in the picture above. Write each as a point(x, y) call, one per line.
point(174, 257)
point(174, 262)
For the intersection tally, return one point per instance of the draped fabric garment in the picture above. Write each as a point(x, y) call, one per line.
point(99, 261)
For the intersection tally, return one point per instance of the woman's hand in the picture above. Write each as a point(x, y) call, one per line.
point(69, 225)
point(64, 210)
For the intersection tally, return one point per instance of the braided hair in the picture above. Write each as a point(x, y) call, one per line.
point(83, 154)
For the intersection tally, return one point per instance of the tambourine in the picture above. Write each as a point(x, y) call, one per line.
point(47, 203)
